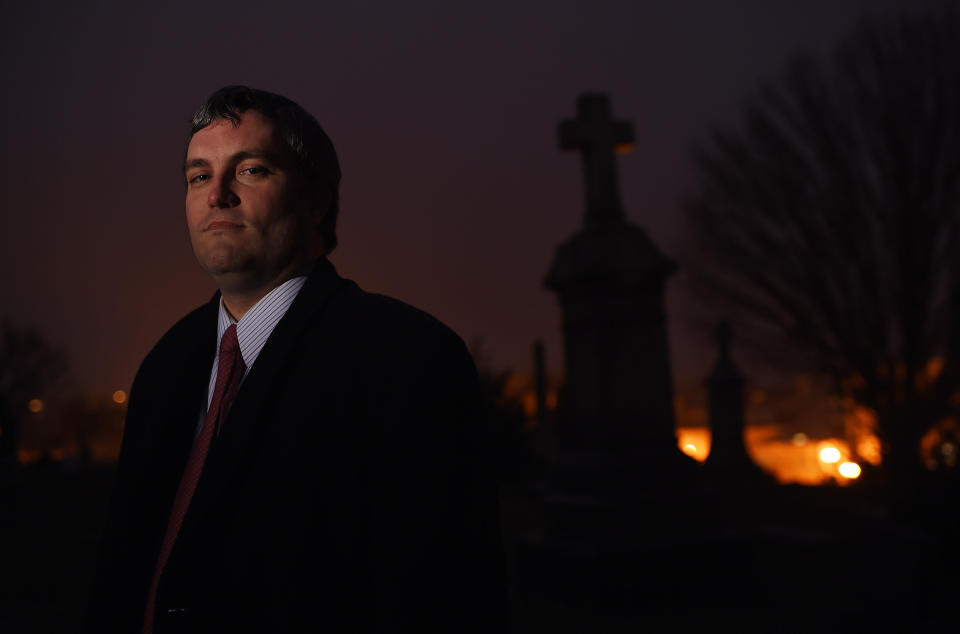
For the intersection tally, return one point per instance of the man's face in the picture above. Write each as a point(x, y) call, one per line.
point(250, 224)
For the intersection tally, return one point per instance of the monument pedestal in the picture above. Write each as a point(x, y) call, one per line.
point(619, 490)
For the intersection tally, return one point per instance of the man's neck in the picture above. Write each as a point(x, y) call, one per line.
point(239, 299)
point(238, 305)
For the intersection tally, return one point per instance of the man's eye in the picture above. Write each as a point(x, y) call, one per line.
point(254, 171)
point(198, 178)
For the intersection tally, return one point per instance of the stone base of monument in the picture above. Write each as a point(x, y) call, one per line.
point(621, 533)
point(639, 476)
point(607, 498)
point(734, 478)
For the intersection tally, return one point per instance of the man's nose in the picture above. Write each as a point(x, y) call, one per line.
point(221, 193)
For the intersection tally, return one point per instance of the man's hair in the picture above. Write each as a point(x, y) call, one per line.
point(309, 144)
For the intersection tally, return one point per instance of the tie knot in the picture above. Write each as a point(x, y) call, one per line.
point(229, 343)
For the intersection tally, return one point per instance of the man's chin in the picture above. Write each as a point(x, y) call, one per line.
point(230, 274)
point(222, 261)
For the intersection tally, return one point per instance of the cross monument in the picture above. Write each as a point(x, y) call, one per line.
point(598, 137)
point(616, 410)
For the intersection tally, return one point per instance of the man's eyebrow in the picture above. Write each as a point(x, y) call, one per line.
point(197, 162)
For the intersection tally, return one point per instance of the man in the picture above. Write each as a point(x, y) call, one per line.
point(298, 455)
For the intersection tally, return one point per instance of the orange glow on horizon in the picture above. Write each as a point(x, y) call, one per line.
point(28, 456)
point(781, 455)
point(520, 387)
point(869, 449)
point(694, 441)
point(60, 454)
point(849, 470)
point(934, 368)
point(829, 455)
point(861, 426)
point(940, 446)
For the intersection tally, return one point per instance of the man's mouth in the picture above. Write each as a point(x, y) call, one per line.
point(223, 225)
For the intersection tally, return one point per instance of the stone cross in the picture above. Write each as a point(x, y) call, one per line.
point(598, 136)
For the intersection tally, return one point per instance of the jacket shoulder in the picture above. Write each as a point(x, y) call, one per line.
point(196, 330)
point(390, 321)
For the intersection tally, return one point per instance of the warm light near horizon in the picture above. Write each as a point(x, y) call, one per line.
point(694, 441)
point(119, 396)
point(849, 470)
point(870, 449)
point(35, 405)
point(829, 455)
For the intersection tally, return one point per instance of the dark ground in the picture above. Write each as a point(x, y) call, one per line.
point(800, 560)
point(807, 560)
point(49, 535)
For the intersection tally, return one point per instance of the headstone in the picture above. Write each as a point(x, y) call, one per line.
point(729, 464)
point(615, 429)
point(619, 488)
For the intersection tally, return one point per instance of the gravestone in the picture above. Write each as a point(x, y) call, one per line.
point(619, 492)
point(615, 428)
point(729, 465)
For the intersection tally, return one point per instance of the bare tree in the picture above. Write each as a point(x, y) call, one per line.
point(830, 221)
point(29, 368)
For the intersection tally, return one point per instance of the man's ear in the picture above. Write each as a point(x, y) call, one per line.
point(318, 203)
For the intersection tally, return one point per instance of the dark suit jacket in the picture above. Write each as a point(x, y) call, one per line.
point(348, 490)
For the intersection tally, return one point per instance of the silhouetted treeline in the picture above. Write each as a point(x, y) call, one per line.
point(30, 368)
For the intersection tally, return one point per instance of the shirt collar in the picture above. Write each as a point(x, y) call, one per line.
point(256, 325)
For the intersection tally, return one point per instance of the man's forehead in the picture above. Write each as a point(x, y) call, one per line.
point(251, 132)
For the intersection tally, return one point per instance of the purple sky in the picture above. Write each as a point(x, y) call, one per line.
point(444, 114)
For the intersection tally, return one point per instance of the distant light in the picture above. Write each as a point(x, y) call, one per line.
point(529, 402)
point(35, 405)
point(799, 439)
point(119, 396)
point(870, 449)
point(934, 368)
point(850, 470)
point(830, 455)
point(694, 442)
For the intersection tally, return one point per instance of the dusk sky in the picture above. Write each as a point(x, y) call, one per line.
point(444, 114)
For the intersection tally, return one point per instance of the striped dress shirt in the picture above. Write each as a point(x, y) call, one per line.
point(254, 328)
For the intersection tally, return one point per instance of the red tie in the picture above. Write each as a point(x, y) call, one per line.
point(230, 369)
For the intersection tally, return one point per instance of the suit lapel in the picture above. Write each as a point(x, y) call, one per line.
point(247, 418)
point(176, 407)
